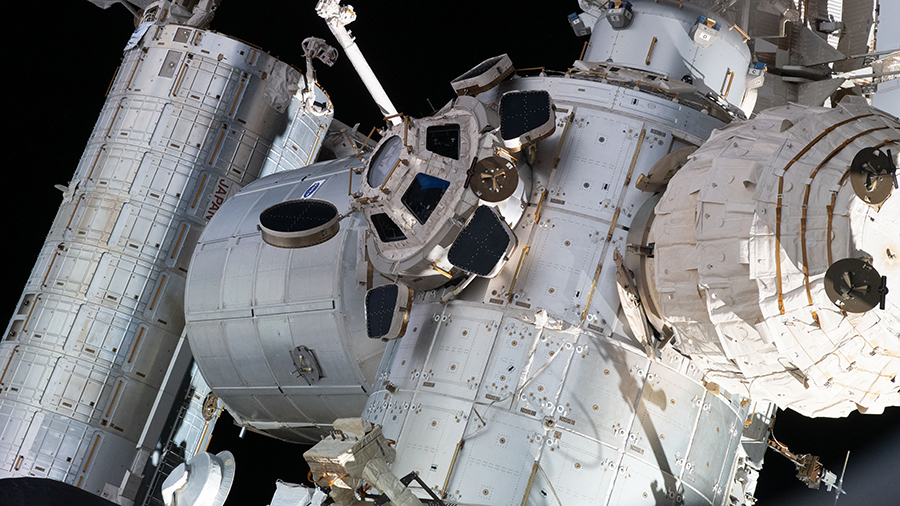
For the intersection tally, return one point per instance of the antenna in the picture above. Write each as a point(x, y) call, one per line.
point(838, 489)
point(810, 470)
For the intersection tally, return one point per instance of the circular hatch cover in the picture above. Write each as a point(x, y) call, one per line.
point(854, 285)
point(494, 179)
point(299, 223)
point(872, 175)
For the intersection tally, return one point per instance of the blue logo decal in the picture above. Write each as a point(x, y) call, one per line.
point(312, 189)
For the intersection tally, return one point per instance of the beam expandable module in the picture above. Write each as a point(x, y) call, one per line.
point(773, 248)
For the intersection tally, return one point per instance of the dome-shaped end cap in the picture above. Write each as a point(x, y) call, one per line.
point(226, 459)
point(205, 480)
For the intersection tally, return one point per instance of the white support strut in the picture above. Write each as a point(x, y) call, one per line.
point(338, 16)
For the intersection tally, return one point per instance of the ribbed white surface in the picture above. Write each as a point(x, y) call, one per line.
point(717, 236)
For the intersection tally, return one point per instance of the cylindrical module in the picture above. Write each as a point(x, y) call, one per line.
point(191, 117)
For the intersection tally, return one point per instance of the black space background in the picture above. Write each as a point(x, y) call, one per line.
point(60, 56)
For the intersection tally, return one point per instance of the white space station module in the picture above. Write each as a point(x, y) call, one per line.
point(592, 286)
point(92, 360)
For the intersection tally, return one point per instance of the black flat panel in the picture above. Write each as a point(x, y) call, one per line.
point(481, 244)
point(297, 215)
point(522, 112)
point(388, 231)
point(443, 140)
point(380, 304)
point(423, 195)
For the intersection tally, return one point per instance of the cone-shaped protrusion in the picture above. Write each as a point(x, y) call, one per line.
point(202, 481)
